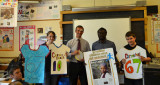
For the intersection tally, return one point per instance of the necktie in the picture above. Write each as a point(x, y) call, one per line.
point(103, 75)
point(79, 45)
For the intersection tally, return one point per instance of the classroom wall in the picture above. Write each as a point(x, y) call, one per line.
point(38, 24)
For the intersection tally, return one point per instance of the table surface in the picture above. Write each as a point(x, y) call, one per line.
point(152, 66)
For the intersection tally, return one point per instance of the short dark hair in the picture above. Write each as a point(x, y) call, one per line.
point(102, 29)
point(11, 71)
point(79, 26)
point(130, 33)
point(52, 33)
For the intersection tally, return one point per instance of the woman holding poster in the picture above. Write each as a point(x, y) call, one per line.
point(132, 56)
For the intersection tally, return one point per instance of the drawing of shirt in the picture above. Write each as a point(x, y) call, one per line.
point(58, 59)
point(133, 65)
point(34, 63)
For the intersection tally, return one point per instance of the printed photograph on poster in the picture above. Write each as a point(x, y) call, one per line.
point(100, 67)
point(101, 72)
point(6, 39)
point(27, 36)
point(40, 30)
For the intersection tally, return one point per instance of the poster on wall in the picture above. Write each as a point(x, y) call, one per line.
point(40, 11)
point(155, 28)
point(100, 67)
point(27, 36)
point(6, 39)
point(24, 11)
point(8, 13)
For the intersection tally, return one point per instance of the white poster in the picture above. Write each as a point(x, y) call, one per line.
point(58, 59)
point(100, 67)
point(8, 13)
point(39, 11)
point(133, 65)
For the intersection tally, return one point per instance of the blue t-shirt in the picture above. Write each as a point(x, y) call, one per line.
point(34, 63)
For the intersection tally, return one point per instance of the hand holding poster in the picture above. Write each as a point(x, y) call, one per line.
point(100, 67)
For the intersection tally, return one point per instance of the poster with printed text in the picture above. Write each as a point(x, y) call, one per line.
point(27, 36)
point(6, 39)
point(39, 11)
point(133, 65)
point(155, 28)
point(8, 13)
point(100, 67)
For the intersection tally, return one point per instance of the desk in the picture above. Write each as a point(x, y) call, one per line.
point(151, 74)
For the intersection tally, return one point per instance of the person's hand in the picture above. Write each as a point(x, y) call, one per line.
point(82, 60)
point(142, 58)
point(48, 42)
point(76, 52)
point(123, 61)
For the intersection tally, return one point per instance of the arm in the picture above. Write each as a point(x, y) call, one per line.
point(69, 44)
point(114, 49)
point(148, 59)
point(88, 47)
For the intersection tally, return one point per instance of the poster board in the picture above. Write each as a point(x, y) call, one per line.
point(40, 11)
point(58, 59)
point(116, 29)
point(93, 60)
point(27, 36)
point(34, 68)
point(133, 65)
point(8, 13)
point(6, 39)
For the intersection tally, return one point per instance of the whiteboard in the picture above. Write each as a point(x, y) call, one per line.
point(116, 29)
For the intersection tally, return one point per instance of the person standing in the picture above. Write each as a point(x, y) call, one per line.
point(77, 67)
point(131, 56)
point(49, 79)
point(103, 43)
